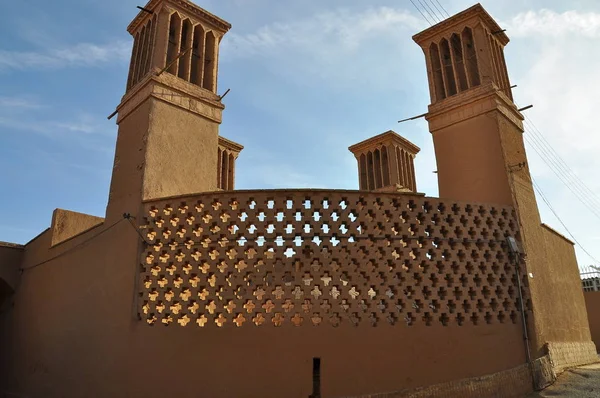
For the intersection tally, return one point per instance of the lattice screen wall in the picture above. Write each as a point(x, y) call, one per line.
point(326, 258)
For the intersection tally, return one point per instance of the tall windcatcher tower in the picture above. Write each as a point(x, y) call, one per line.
point(478, 138)
point(168, 139)
point(476, 127)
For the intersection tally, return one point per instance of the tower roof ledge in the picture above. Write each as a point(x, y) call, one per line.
point(447, 24)
point(387, 137)
point(193, 9)
point(231, 145)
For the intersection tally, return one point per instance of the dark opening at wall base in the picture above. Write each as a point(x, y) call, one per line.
point(316, 378)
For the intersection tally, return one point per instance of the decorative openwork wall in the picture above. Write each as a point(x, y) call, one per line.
point(326, 258)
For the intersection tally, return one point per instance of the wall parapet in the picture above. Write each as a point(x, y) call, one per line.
point(288, 258)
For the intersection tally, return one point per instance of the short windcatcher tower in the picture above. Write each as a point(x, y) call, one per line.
point(386, 163)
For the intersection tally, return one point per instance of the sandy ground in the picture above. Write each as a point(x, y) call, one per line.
point(583, 382)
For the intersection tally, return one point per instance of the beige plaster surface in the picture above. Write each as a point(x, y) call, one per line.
point(128, 170)
point(183, 146)
point(88, 337)
point(470, 162)
point(67, 224)
point(75, 329)
point(478, 141)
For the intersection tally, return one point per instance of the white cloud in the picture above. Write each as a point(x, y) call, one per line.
point(19, 102)
point(259, 168)
point(550, 23)
point(346, 49)
point(80, 55)
point(54, 128)
point(339, 30)
point(557, 73)
point(85, 131)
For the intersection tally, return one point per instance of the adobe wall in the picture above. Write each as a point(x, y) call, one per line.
point(74, 330)
point(146, 150)
point(190, 161)
point(566, 312)
point(592, 304)
point(458, 149)
point(126, 184)
point(559, 325)
point(567, 329)
point(67, 224)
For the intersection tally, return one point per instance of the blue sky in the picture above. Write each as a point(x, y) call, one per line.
point(308, 78)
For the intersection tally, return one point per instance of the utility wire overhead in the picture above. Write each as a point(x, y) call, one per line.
point(542, 147)
point(593, 211)
point(575, 190)
point(429, 10)
point(420, 12)
point(541, 193)
point(561, 168)
point(438, 10)
point(535, 131)
point(79, 245)
point(562, 172)
point(447, 14)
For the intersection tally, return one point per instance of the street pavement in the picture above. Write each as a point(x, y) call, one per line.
point(582, 382)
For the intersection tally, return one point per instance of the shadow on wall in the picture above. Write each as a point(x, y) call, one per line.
point(592, 303)
point(5, 292)
point(10, 260)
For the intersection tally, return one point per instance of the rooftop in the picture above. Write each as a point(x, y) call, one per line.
point(186, 5)
point(448, 24)
point(389, 136)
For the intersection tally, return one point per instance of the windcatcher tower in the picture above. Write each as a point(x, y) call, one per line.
point(386, 163)
point(477, 130)
point(478, 138)
point(168, 139)
point(227, 155)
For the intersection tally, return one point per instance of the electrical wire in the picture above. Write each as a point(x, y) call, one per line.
point(584, 199)
point(559, 176)
point(541, 193)
point(447, 14)
point(560, 168)
point(429, 10)
point(79, 245)
point(137, 230)
point(420, 12)
point(583, 193)
point(586, 191)
point(557, 165)
point(563, 172)
point(438, 10)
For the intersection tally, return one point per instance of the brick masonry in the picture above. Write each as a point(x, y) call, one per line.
point(571, 354)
